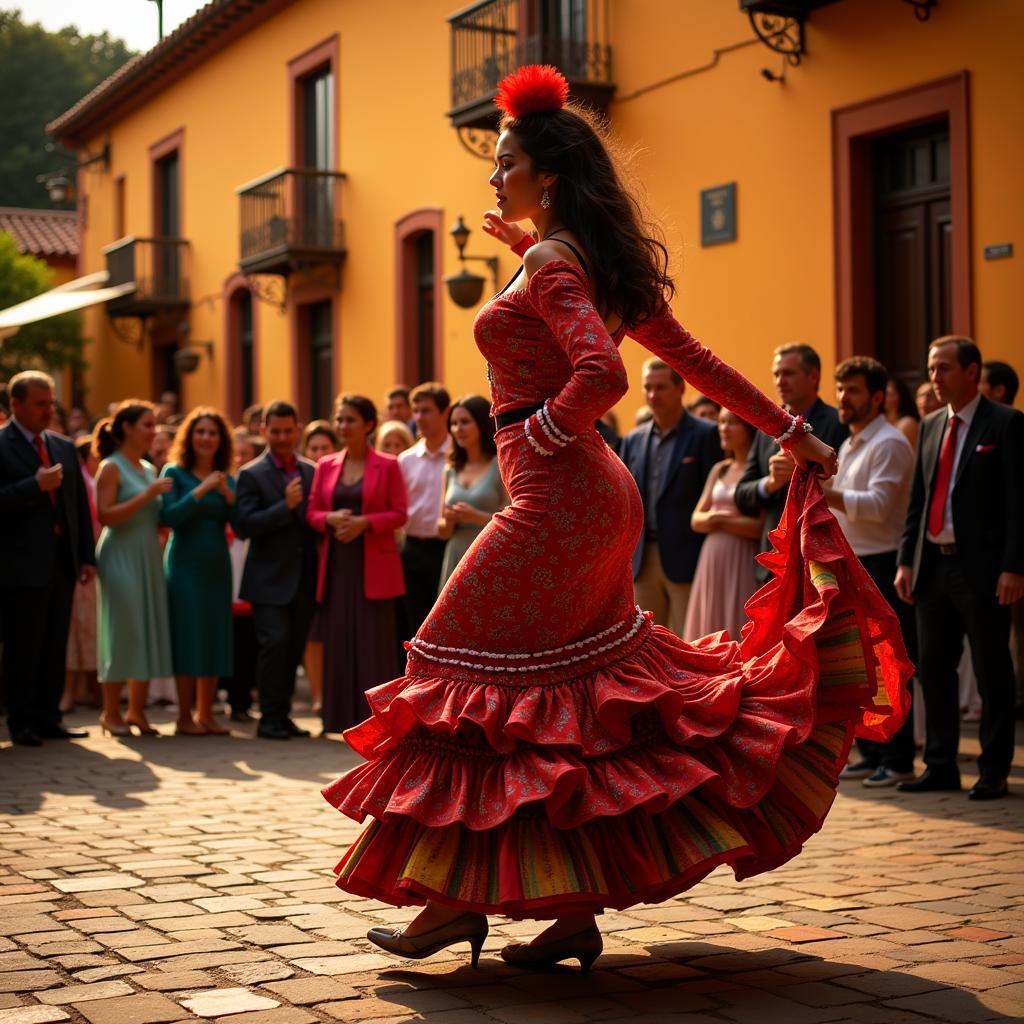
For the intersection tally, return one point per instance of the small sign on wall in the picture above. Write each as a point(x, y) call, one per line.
point(718, 214)
point(999, 252)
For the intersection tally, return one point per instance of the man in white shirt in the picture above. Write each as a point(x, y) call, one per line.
point(423, 467)
point(869, 496)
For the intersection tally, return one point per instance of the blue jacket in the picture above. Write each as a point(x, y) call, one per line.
point(695, 451)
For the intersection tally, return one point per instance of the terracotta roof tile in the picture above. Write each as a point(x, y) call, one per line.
point(41, 232)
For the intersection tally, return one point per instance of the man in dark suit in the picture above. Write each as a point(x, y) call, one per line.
point(797, 372)
point(670, 457)
point(279, 579)
point(46, 545)
point(961, 563)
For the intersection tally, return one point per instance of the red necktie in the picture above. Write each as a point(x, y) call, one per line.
point(937, 510)
point(44, 458)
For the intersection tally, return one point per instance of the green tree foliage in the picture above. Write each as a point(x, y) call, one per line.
point(48, 344)
point(42, 74)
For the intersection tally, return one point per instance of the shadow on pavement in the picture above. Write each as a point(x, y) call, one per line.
point(686, 981)
point(119, 774)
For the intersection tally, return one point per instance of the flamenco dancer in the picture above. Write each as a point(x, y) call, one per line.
point(550, 752)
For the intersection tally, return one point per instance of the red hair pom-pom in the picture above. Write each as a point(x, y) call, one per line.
point(531, 90)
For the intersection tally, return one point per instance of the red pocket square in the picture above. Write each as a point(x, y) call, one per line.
point(687, 459)
point(985, 448)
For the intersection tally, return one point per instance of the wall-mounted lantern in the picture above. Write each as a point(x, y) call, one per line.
point(186, 360)
point(58, 185)
point(465, 288)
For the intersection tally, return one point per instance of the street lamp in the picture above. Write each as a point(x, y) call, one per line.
point(465, 288)
point(59, 186)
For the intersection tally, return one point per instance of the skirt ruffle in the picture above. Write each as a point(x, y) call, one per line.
point(626, 775)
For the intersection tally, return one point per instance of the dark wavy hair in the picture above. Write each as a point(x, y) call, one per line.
point(907, 406)
point(363, 406)
point(628, 258)
point(109, 433)
point(184, 454)
point(480, 409)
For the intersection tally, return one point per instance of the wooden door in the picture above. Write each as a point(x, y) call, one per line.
point(913, 247)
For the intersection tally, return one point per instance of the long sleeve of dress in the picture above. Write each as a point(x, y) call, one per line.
point(663, 335)
point(558, 292)
point(179, 505)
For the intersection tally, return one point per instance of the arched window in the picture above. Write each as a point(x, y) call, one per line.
point(240, 333)
point(418, 297)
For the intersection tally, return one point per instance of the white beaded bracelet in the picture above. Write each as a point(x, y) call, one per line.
point(534, 444)
point(548, 433)
point(788, 433)
point(568, 439)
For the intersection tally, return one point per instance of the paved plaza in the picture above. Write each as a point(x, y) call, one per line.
point(149, 881)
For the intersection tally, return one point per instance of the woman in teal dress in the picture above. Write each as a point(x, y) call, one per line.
point(134, 642)
point(472, 490)
point(200, 503)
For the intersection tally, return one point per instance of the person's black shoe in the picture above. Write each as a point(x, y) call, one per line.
point(242, 716)
point(295, 730)
point(26, 738)
point(989, 789)
point(931, 782)
point(273, 731)
point(62, 732)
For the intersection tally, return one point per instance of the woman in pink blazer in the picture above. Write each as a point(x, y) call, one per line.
point(357, 501)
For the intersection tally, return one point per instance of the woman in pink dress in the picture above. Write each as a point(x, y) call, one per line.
point(725, 572)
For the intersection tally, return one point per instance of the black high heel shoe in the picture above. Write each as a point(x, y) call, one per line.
point(143, 730)
point(471, 928)
point(585, 946)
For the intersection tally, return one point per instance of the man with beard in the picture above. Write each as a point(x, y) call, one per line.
point(869, 496)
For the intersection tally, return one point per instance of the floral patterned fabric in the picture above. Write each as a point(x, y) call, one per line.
point(549, 749)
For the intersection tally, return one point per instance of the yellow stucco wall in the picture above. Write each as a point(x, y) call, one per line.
point(773, 285)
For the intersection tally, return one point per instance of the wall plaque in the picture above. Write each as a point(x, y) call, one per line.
point(718, 214)
point(999, 252)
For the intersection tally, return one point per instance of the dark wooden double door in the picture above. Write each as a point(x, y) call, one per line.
point(913, 247)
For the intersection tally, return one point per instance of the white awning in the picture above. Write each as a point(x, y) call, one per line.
point(77, 294)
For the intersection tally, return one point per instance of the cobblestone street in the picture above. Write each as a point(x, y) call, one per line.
point(173, 879)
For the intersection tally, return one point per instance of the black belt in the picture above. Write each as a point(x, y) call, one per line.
point(944, 549)
point(506, 419)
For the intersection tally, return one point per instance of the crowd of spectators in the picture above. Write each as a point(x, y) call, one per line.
point(185, 558)
point(178, 559)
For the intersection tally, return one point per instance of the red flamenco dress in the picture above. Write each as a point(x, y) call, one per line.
point(550, 750)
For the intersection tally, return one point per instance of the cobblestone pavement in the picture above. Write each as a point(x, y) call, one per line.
point(146, 881)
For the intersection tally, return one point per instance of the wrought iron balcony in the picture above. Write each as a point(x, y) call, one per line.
point(779, 24)
point(291, 219)
point(158, 267)
point(493, 37)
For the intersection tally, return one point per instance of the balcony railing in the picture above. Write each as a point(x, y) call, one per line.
point(494, 37)
point(290, 219)
point(158, 267)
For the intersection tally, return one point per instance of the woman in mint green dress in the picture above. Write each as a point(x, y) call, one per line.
point(134, 633)
point(472, 490)
point(198, 507)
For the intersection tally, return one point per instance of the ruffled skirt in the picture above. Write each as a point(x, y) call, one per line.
point(550, 750)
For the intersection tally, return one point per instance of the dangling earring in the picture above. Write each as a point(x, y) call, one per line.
point(545, 200)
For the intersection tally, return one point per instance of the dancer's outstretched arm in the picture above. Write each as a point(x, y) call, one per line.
point(663, 335)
